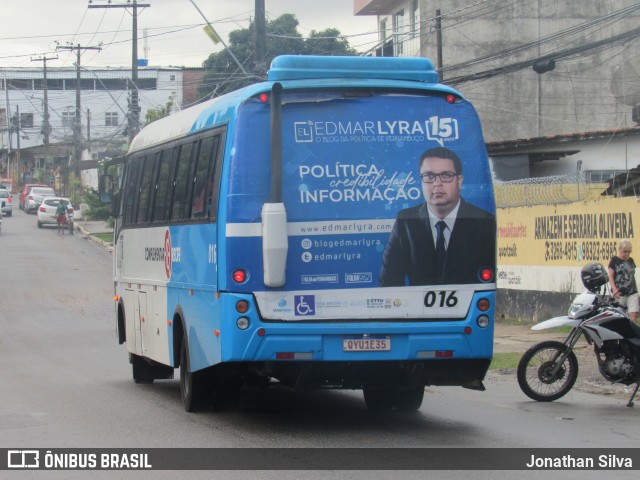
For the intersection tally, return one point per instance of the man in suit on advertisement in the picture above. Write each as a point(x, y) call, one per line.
point(445, 240)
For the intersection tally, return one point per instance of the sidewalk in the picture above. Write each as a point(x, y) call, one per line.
point(87, 228)
point(518, 338)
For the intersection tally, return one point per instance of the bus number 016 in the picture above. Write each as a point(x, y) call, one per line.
point(443, 298)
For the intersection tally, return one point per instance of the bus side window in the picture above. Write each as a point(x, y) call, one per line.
point(145, 188)
point(202, 180)
point(163, 186)
point(131, 191)
point(180, 205)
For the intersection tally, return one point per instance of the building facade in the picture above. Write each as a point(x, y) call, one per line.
point(42, 139)
point(533, 69)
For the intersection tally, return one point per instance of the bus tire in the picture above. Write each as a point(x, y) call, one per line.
point(193, 386)
point(142, 370)
point(410, 400)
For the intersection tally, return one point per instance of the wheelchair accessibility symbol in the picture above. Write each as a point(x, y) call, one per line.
point(305, 305)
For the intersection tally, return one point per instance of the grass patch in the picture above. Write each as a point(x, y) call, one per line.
point(105, 237)
point(504, 361)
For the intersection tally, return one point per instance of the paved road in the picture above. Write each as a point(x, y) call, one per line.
point(65, 382)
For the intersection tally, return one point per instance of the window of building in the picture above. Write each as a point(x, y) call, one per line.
point(26, 120)
point(113, 83)
point(68, 118)
point(415, 19)
point(20, 84)
point(3, 118)
point(383, 30)
point(111, 119)
point(398, 27)
point(147, 84)
point(601, 176)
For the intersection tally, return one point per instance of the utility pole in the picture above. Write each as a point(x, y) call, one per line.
point(46, 126)
point(260, 47)
point(439, 45)
point(18, 135)
point(77, 124)
point(134, 110)
point(6, 93)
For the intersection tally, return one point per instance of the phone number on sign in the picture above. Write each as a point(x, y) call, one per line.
point(589, 251)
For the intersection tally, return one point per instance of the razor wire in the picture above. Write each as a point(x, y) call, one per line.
point(553, 190)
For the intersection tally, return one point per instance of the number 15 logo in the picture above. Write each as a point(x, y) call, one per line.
point(441, 129)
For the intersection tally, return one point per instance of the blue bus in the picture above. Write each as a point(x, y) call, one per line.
point(331, 227)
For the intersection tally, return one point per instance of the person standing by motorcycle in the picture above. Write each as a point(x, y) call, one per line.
point(61, 217)
point(622, 279)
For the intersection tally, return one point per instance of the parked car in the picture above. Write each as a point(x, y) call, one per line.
point(47, 210)
point(25, 190)
point(6, 202)
point(35, 197)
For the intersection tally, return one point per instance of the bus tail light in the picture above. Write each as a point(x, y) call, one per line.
point(242, 323)
point(239, 276)
point(484, 304)
point(294, 356)
point(242, 306)
point(435, 354)
point(486, 274)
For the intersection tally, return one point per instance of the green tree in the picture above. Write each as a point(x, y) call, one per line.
point(223, 74)
point(154, 114)
point(327, 42)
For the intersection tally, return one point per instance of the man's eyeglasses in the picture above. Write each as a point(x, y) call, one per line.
point(445, 177)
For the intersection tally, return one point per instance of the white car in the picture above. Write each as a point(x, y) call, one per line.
point(47, 210)
point(5, 202)
point(35, 197)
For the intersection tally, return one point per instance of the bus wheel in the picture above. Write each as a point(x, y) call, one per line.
point(142, 370)
point(193, 387)
point(410, 400)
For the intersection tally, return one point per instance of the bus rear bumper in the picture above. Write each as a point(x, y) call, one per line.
point(356, 375)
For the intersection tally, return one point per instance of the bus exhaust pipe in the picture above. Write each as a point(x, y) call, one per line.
point(275, 240)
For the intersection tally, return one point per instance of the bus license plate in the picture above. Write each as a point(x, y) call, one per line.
point(364, 343)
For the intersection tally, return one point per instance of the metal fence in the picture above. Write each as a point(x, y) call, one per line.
point(554, 190)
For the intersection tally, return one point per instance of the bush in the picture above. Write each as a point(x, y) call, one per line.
point(97, 209)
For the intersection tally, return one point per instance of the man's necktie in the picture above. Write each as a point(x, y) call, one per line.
point(440, 250)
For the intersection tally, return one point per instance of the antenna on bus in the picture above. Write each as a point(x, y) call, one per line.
point(275, 239)
point(276, 143)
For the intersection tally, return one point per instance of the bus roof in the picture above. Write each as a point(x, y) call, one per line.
point(296, 67)
point(296, 72)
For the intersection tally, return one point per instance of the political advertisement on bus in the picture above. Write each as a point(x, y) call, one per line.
point(386, 191)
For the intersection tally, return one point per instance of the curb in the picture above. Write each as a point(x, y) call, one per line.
point(88, 236)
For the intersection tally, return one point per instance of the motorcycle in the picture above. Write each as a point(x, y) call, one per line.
point(70, 222)
point(548, 370)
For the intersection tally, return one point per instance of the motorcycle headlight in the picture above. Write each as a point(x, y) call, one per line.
point(574, 310)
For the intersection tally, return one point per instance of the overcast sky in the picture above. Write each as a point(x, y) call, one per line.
point(31, 28)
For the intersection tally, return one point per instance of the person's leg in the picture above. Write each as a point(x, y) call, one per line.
point(633, 307)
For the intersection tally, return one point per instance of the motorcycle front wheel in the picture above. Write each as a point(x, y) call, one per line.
point(538, 376)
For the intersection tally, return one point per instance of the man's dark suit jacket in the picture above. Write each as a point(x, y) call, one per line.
point(410, 253)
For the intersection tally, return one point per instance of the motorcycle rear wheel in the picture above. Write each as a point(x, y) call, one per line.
point(535, 375)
